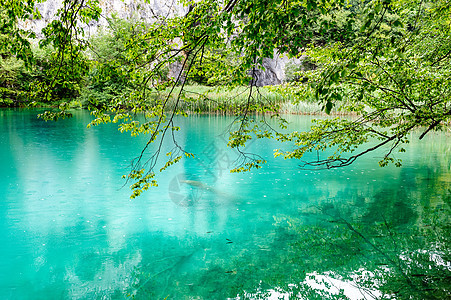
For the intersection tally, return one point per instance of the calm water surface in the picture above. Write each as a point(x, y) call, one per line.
point(69, 230)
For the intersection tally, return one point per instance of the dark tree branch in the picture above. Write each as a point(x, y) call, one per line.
point(433, 125)
point(342, 162)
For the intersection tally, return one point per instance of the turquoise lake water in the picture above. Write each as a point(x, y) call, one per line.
point(68, 229)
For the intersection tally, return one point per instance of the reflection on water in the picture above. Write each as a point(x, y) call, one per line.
point(70, 231)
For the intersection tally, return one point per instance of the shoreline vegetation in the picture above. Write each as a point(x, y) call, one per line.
point(216, 100)
point(224, 101)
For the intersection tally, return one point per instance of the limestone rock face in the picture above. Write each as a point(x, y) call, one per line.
point(272, 73)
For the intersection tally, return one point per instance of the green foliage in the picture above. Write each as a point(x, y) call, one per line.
point(64, 70)
point(24, 86)
point(213, 67)
point(143, 182)
point(56, 71)
point(111, 63)
point(15, 52)
point(394, 77)
point(57, 79)
point(12, 72)
point(14, 40)
point(294, 71)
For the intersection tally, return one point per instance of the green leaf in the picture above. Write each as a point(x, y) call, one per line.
point(329, 106)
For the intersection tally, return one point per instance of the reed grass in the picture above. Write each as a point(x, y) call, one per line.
point(223, 100)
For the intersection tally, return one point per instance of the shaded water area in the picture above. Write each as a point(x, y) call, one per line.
point(69, 230)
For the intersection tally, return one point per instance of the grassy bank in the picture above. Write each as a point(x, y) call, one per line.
point(211, 100)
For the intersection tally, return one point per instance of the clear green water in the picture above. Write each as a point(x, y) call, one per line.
point(68, 229)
